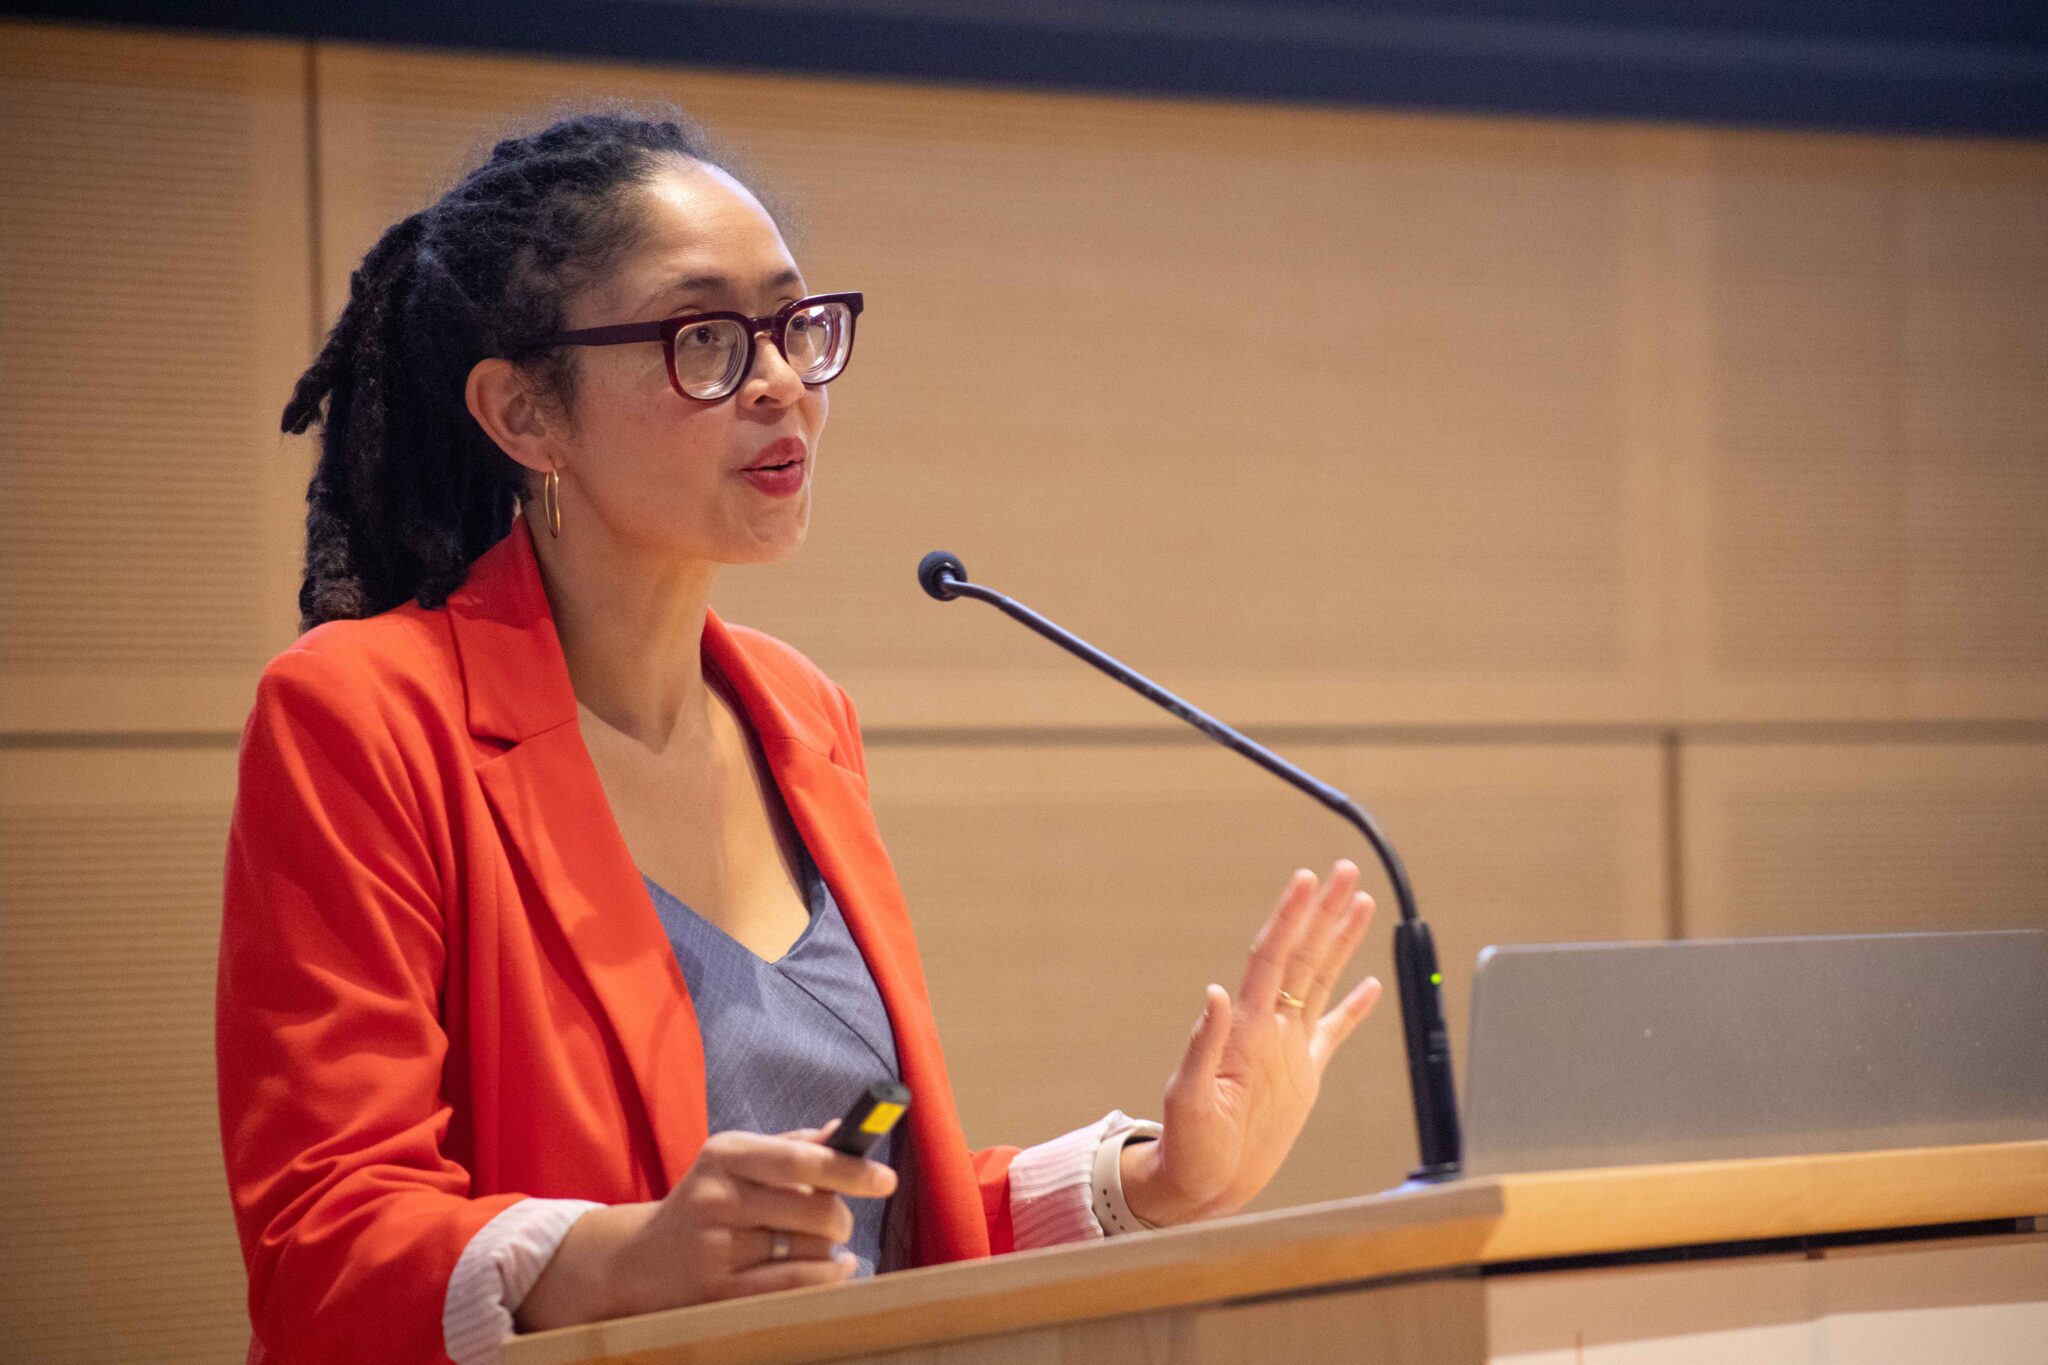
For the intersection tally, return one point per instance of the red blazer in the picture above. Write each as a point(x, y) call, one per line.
point(443, 986)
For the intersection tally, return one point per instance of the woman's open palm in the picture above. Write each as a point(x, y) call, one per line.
point(1250, 1075)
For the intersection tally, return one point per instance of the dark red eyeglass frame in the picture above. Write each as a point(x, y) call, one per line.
point(776, 324)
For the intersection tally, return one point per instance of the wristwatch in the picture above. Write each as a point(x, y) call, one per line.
point(1106, 1186)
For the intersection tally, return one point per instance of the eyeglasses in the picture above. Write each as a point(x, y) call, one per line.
point(709, 354)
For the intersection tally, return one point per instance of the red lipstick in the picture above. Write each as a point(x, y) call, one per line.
point(779, 469)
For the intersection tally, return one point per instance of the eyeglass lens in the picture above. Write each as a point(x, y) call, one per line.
point(711, 356)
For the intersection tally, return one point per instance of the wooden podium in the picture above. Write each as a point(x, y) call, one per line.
point(1923, 1255)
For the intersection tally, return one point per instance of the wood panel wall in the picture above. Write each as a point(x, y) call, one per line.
point(1646, 522)
point(1074, 898)
point(155, 270)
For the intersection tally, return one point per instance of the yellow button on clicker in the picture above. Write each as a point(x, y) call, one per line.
point(881, 1117)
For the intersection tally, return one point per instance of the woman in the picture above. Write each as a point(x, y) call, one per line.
point(556, 918)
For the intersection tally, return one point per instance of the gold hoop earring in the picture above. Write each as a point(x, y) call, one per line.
point(551, 499)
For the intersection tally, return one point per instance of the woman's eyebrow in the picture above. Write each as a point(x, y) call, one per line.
point(713, 283)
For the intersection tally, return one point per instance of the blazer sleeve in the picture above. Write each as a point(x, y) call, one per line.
point(991, 1164)
point(327, 1030)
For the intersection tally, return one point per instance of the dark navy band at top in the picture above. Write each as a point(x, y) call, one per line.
point(1972, 67)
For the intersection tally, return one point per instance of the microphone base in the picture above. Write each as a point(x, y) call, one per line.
point(1440, 1174)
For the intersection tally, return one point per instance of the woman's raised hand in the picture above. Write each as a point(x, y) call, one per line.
point(754, 1213)
point(1249, 1077)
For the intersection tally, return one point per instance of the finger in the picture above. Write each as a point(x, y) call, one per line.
point(1261, 984)
point(814, 1135)
point(823, 1135)
point(1351, 929)
point(1333, 1028)
point(1204, 1055)
point(774, 1207)
point(810, 1135)
point(779, 1275)
point(1324, 923)
point(780, 1159)
point(755, 1246)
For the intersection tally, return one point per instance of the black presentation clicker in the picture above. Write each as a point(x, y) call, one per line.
point(870, 1116)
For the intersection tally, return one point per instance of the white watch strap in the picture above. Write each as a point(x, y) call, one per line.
point(1106, 1187)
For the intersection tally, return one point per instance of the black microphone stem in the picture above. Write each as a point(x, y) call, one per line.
point(1419, 983)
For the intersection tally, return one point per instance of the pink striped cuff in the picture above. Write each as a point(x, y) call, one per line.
point(495, 1271)
point(1050, 1196)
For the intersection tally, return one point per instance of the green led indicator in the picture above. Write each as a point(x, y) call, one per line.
point(1436, 978)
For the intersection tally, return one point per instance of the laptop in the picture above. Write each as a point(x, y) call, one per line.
point(1616, 1054)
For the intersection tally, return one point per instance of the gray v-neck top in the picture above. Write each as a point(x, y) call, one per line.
point(789, 1043)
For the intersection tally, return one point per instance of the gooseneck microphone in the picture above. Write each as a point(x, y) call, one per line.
point(1419, 984)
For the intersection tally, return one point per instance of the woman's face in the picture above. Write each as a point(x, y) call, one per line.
point(656, 468)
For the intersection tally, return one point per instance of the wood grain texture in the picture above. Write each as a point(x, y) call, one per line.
point(1072, 900)
point(1432, 1321)
point(1860, 465)
point(1863, 837)
point(154, 311)
point(1420, 1322)
point(1482, 1221)
point(1905, 1303)
point(112, 1197)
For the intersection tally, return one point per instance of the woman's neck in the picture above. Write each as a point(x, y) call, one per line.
point(631, 624)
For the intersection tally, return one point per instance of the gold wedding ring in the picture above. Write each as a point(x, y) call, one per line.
point(1293, 1002)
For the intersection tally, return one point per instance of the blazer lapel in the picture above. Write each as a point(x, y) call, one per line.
point(829, 805)
point(556, 822)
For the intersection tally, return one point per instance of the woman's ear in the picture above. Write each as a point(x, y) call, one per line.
point(502, 400)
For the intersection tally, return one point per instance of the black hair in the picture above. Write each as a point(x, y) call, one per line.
point(409, 490)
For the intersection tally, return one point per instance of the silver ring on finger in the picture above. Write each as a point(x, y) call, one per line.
point(778, 1245)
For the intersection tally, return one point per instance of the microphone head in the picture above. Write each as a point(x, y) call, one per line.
point(937, 573)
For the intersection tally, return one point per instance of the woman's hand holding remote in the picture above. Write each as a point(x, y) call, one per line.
point(755, 1213)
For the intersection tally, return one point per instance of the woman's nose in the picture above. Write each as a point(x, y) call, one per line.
point(773, 378)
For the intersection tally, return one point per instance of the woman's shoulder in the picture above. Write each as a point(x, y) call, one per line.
point(401, 659)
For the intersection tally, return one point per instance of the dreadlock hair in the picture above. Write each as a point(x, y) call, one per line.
point(409, 490)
